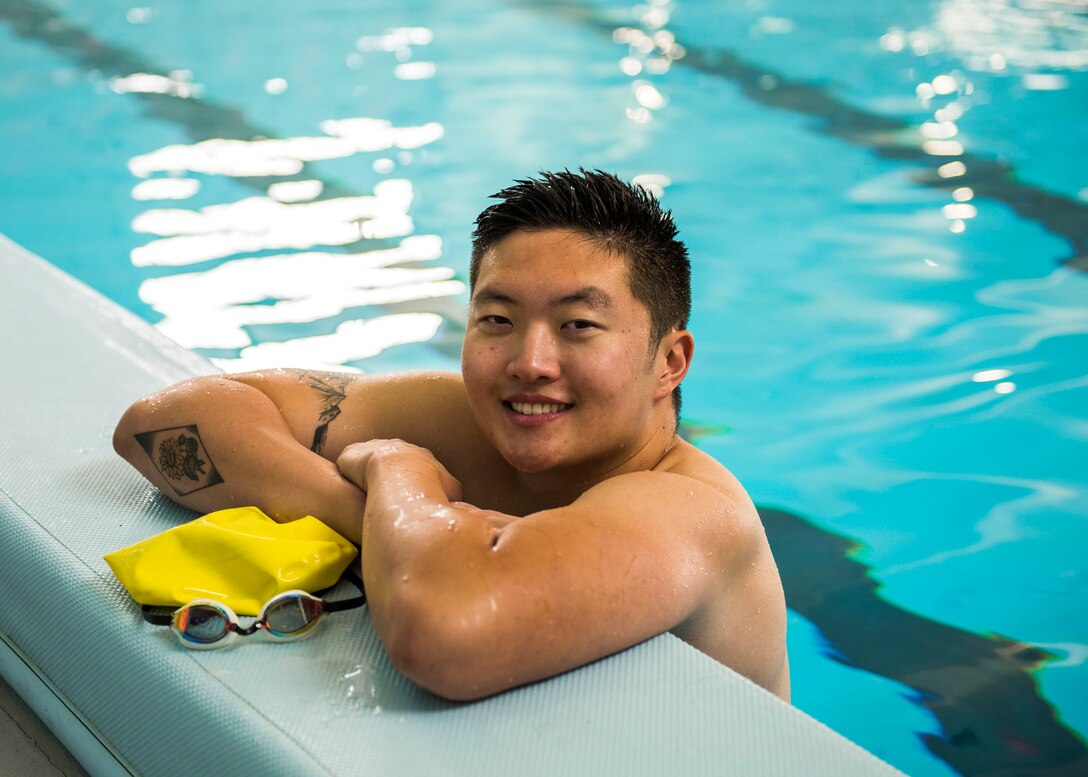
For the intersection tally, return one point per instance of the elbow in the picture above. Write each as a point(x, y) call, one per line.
point(444, 654)
point(141, 415)
point(124, 434)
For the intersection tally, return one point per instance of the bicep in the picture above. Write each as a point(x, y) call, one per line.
point(629, 558)
point(565, 587)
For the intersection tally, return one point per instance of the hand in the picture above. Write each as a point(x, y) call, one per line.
point(356, 460)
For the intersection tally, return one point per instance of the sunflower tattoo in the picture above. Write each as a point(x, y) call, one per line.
point(179, 454)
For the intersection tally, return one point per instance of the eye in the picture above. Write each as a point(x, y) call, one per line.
point(579, 325)
point(495, 321)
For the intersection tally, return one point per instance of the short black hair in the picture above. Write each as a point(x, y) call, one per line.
point(622, 218)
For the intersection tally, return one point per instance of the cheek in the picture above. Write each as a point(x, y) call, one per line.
point(614, 372)
point(478, 365)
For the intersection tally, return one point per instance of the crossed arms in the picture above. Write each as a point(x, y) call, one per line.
point(469, 598)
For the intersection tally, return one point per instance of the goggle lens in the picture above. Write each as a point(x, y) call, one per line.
point(202, 623)
point(292, 616)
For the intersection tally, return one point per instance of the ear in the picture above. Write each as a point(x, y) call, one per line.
point(673, 359)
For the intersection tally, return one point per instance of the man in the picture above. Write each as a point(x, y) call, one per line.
point(536, 512)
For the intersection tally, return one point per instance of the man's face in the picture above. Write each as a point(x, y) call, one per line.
point(556, 355)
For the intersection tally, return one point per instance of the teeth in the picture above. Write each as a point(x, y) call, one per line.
point(536, 409)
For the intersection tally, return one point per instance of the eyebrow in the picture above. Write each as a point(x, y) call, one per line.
point(593, 296)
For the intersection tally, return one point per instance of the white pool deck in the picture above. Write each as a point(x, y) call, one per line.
point(121, 695)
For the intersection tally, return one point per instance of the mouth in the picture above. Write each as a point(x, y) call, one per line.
point(537, 408)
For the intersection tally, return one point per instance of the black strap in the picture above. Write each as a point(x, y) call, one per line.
point(163, 615)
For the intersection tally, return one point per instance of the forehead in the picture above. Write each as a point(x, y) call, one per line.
point(554, 260)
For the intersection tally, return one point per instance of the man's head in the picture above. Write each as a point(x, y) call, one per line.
point(619, 217)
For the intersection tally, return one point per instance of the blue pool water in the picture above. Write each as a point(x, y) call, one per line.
point(887, 208)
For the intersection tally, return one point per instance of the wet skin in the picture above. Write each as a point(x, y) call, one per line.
point(528, 517)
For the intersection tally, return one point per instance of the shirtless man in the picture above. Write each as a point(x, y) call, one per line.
point(536, 512)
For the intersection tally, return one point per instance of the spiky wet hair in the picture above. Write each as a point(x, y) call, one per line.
point(620, 217)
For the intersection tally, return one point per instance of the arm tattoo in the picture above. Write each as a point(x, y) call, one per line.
point(332, 391)
point(179, 455)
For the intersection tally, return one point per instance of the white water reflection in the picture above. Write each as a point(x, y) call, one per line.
point(263, 223)
point(166, 189)
point(211, 309)
point(304, 288)
point(178, 84)
point(994, 34)
point(273, 157)
point(353, 340)
point(651, 50)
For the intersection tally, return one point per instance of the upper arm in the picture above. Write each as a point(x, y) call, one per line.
point(333, 410)
point(253, 435)
point(633, 557)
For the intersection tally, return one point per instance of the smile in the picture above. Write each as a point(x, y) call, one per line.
point(526, 408)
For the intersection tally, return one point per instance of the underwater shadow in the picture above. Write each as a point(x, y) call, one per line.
point(994, 721)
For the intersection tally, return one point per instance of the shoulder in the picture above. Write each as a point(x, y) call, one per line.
point(741, 619)
point(724, 508)
point(688, 507)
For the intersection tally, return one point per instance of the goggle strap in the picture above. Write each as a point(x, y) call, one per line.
point(163, 615)
point(158, 615)
point(348, 604)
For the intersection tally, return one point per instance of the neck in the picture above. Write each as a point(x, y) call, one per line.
point(561, 486)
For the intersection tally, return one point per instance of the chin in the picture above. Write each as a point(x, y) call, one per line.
point(528, 465)
point(529, 462)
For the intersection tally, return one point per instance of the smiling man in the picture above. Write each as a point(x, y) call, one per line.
point(536, 512)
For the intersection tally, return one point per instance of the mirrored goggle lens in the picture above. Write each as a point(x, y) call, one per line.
point(292, 616)
point(201, 623)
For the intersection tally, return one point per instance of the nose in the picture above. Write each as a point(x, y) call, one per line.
point(535, 357)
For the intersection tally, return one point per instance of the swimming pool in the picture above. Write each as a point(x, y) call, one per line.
point(886, 206)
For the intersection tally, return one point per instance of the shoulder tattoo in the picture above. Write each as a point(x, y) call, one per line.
point(179, 455)
point(332, 390)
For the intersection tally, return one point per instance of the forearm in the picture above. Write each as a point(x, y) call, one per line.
point(211, 443)
point(426, 564)
point(410, 525)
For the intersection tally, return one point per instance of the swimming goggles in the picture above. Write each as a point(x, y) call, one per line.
point(204, 624)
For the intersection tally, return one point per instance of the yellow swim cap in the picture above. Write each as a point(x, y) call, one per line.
point(239, 556)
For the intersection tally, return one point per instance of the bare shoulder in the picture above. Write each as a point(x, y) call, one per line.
point(720, 509)
point(741, 620)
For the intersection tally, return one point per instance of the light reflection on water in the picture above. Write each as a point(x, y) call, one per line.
point(262, 223)
point(214, 308)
